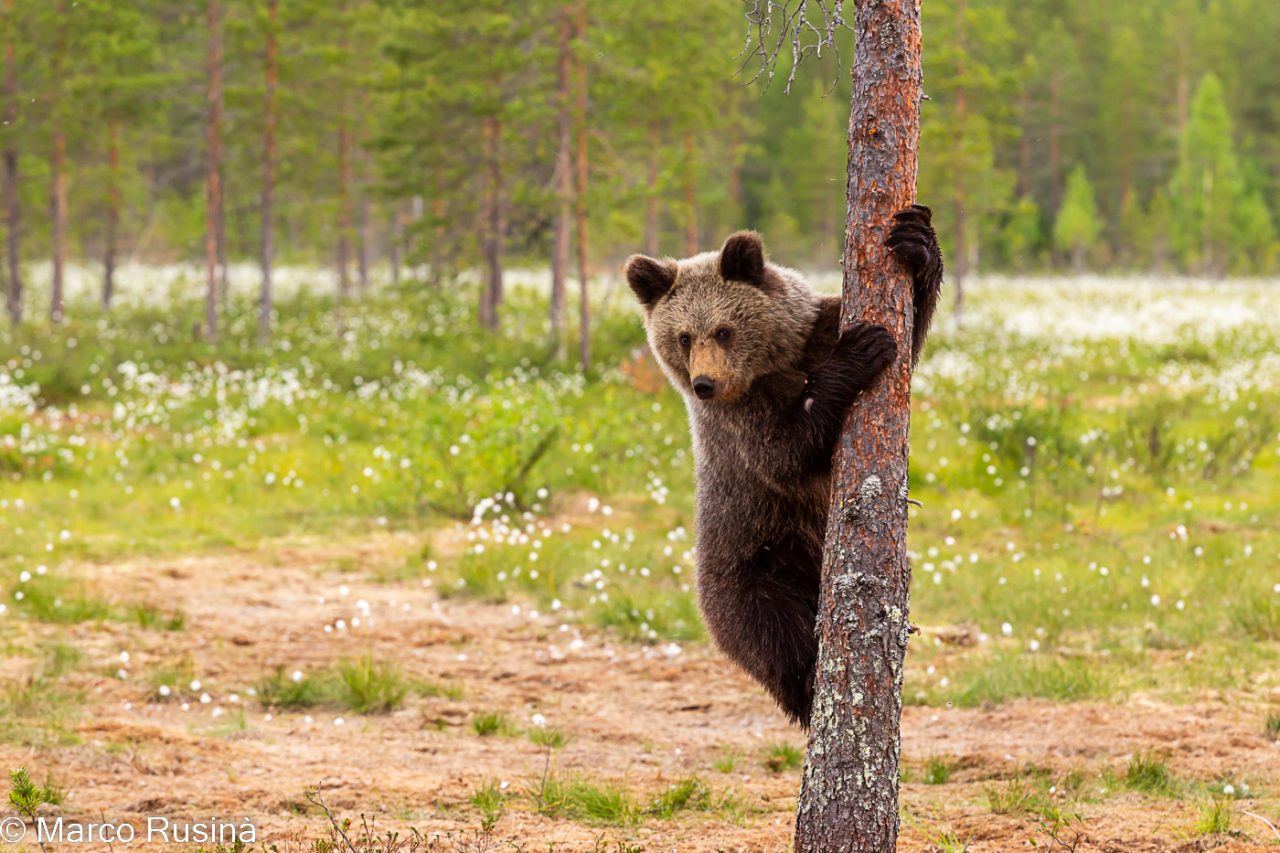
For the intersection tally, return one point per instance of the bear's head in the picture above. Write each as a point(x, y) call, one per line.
point(719, 320)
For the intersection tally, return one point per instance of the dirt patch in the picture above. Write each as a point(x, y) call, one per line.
point(643, 717)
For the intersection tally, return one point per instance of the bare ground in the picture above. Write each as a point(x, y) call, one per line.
point(644, 716)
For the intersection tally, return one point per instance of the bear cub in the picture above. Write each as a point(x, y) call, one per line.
point(768, 376)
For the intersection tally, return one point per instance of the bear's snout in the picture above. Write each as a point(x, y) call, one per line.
point(704, 387)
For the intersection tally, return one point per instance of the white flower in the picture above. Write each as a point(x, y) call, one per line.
point(538, 720)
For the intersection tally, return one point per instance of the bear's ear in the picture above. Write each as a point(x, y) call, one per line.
point(742, 258)
point(650, 278)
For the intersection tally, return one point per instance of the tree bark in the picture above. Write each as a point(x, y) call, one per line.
point(113, 214)
point(13, 212)
point(213, 181)
point(344, 202)
point(651, 194)
point(397, 237)
point(495, 215)
point(58, 218)
point(690, 199)
point(849, 794)
point(362, 244)
point(1055, 139)
point(268, 168)
point(58, 180)
point(580, 197)
point(1024, 142)
point(960, 266)
point(563, 179)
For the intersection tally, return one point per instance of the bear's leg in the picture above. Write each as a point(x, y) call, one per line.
point(812, 425)
point(914, 241)
point(762, 615)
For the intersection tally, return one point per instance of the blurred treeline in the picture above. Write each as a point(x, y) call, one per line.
point(461, 134)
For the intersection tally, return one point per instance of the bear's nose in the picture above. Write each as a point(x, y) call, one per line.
point(704, 387)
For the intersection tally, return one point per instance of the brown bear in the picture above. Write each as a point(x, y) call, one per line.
point(768, 376)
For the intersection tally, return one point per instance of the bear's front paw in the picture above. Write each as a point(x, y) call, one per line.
point(913, 240)
point(867, 347)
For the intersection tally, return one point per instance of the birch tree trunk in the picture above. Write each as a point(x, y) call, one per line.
point(849, 794)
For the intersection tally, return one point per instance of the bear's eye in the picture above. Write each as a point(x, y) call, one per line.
point(685, 341)
point(723, 335)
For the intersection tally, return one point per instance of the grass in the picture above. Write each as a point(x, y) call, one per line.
point(780, 757)
point(580, 798)
point(492, 723)
point(727, 762)
point(1147, 772)
point(368, 687)
point(1081, 506)
point(937, 770)
point(1272, 726)
point(490, 799)
point(1216, 816)
point(362, 685)
point(153, 618)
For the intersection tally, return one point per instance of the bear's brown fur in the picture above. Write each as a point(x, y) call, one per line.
point(767, 377)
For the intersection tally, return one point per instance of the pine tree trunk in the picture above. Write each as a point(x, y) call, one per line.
point(113, 215)
point(563, 180)
point(397, 237)
point(362, 245)
point(58, 218)
point(11, 203)
point(580, 197)
point(344, 203)
point(1055, 139)
point(960, 266)
point(495, 215)
point(651, 194)
point(213, 181)
point(849, 794)
point(690, 199)
point(1024, 143)
point(268, 168)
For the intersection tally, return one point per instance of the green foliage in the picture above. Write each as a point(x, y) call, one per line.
point(1077, 226)
point(27, 797)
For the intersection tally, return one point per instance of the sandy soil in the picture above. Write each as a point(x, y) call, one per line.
point(644, 716)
